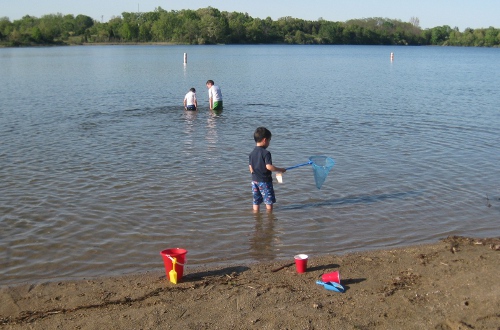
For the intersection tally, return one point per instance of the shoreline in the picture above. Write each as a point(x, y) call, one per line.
point(451, 284)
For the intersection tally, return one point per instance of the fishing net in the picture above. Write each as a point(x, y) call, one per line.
point(321, 166)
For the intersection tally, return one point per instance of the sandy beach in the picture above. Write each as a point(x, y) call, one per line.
point(452, 284)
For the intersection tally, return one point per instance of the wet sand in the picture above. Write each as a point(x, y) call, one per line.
point(452, 284)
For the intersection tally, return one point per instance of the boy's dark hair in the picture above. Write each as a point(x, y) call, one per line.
point(261, 133)
point(211, 82)
point(192, 90)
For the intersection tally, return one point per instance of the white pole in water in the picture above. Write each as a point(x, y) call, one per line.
point(392, 57)
point(185, 58)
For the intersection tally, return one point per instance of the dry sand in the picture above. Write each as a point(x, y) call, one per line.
point(453, 284)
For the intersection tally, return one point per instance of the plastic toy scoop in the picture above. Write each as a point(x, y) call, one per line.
point(172, 275)
point(332, 286)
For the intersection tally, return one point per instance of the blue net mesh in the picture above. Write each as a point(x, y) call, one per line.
point(321, 165)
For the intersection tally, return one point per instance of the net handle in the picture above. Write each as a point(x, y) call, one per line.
point(292, 167)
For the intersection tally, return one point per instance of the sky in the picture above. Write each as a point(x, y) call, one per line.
point(431, 13)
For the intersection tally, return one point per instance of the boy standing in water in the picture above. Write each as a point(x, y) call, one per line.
point(261, 166)
point(190, 102)
point(214, 96)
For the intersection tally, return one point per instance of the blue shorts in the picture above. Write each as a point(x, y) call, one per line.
point(263, 192)
point(191, 107)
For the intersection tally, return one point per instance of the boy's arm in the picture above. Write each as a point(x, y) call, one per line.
point(251, 169)
point(272, 168)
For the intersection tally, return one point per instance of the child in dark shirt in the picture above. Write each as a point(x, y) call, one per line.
point(261, 166)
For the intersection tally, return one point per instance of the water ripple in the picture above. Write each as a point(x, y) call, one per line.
point(100, 173)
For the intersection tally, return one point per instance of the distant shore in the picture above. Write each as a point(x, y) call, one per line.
point(452, 284)
point(98, 44)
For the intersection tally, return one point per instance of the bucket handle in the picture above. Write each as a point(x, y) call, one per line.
point(171, 258)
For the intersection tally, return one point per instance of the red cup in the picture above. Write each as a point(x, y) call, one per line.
point(301, 263)
point(331, 277)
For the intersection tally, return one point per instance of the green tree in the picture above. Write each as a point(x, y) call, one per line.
point(145, 32)
point(440, 34)
point(479, 38)
point(330, 32)
point(187, 27)
point(82, 23)
point(51, 26)
point(129, 29)
point(22, 29)
point(299, 38)
point(455, 38)
point(113, 29)
point(269, 30)
point(16, 38)
point(254, 31)
point(214, 27)
point(467, 38)
point(36, 35)
point(491, 37)
point(237, 27)
point(5, 28)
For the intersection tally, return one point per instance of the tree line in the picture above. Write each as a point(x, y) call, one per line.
point(211, 26)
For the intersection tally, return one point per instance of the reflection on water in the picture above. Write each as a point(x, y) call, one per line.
point(190, 117)
point(189, 128)
point(264, 241)
point(212, 136)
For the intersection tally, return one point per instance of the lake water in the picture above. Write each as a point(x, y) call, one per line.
point(101, 169)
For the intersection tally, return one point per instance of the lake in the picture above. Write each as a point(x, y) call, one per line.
point(101, 168)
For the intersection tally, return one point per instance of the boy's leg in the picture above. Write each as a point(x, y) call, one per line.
point(267, 190)
point(257, 196)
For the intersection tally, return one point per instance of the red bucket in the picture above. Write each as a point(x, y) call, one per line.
point(180, 257)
